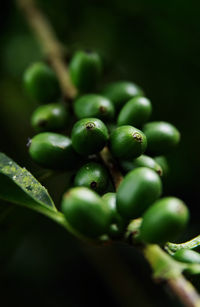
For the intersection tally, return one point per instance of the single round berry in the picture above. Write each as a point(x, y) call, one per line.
point(41, 82)
point(85, 69)
point(92, 175)
point(50, 117)
point(146, 161)
point(164, 220)
point(139, 189)
point(135, 112)
point(53, 150)
point(117, 223)
point(86, 212)
point(162, 137)
point(127, 142)
point(142, 161)
point(93, 105)
point(89, 136)
point(187, 256)
point(120, 92)
point(162, 161)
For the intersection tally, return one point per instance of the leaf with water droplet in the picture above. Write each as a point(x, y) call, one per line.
point(18, 186)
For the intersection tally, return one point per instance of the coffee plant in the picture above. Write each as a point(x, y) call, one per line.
point(115, 156)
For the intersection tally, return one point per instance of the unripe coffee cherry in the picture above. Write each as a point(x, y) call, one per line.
point(120, 92)
point(162, 137)
point(54, 151)
point(85, 69)
point(86, 212)
point(162, 161)
point(117, 223)
point(164, 220)
point(146, 161)
point(50, 117)
point(41, 83)
point(92, 175)
point(187, 255)
point(139, 189)
point(127, 142)
point(89, 136)
point(93, 105)
point(135, 112)
point(142, 161)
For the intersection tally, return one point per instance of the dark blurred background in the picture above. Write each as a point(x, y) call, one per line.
point(156, 45)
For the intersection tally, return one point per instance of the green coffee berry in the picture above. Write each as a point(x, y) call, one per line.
point(135, 112)
point(93, 105)
point(164, 220)
point(94, 176)
point(86, 211)
point(120, 92)
point(41, 83)
point(187, 255)
point(146, 161)
point(117, 223)
point(50, 117)
point(89, 136)
point(162, 137)
point(139, 189)
point(142, 161)
point(162, 161)
point(127, 142)
point(54, 151)
point(85, 69)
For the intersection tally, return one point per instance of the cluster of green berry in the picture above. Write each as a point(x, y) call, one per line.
point(116, 117)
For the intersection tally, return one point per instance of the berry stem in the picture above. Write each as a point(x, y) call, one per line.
point(55, 53)
point(111, 164)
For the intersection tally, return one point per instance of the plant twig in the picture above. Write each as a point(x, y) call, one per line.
point(51, 46)
point(112, 167)
point(167, 269)
point(154, 254)
point(189, 297)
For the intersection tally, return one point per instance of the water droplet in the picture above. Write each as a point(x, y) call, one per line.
point(28, 142)
point(29, 188)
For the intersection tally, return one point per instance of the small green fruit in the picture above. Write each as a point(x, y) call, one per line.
point(92, 175)
point(50, 117)
point(135, 112)
point(86, 212)
point(162, 161)
point(54, 151)
point(127, 142)
point(164, 220)
point(162, 137)
point(146, 161)
point(139, 189)
point(142, 161)
point(117, 223)
point(92, 105)
point(89, 136)
point(120, 92)
point(41, 83)
point(187, 255)
point(85, 69)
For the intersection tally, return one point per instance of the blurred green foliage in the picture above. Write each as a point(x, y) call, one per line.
point(153, 43)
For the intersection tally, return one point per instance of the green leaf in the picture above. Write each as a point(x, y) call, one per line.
point(18, 186)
